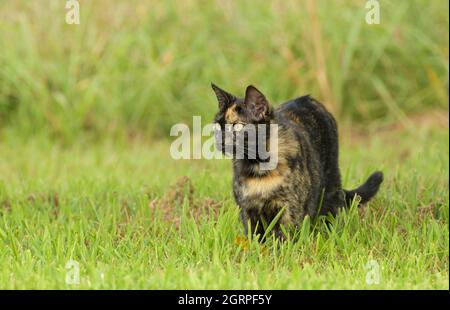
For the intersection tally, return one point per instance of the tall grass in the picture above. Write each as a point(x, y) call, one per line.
point(122, 213)
point(140, 66)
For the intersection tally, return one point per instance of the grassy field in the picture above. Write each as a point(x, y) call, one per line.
point(143, 65)
point(133, 218)
point(85, 114)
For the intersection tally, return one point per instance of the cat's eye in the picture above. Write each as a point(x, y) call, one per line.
point(238, 127)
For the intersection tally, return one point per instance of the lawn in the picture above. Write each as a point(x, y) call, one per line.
point(132, 217)
point(90, 197)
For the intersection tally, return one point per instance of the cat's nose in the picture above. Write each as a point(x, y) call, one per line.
point(228, 140)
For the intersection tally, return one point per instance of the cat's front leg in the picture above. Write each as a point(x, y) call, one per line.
point(285, 223)
point(251, 219)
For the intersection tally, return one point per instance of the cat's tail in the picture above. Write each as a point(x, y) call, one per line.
point(366, 191)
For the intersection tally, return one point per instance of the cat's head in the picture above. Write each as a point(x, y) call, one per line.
point(252, 109)
point(236, 113)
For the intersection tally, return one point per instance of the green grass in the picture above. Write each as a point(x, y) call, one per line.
point(85, 113)
point(96, 204)
point(144, 65)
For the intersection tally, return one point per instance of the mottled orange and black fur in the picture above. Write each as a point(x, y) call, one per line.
point(306, 180)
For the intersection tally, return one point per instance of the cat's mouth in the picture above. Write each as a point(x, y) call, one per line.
point(240, 141)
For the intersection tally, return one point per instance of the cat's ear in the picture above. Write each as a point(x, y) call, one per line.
point(224, 98)
point(256, 103)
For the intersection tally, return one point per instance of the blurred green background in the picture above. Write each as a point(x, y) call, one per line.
point(138, 67)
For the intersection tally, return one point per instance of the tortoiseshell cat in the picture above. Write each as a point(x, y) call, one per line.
point(306, 180)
